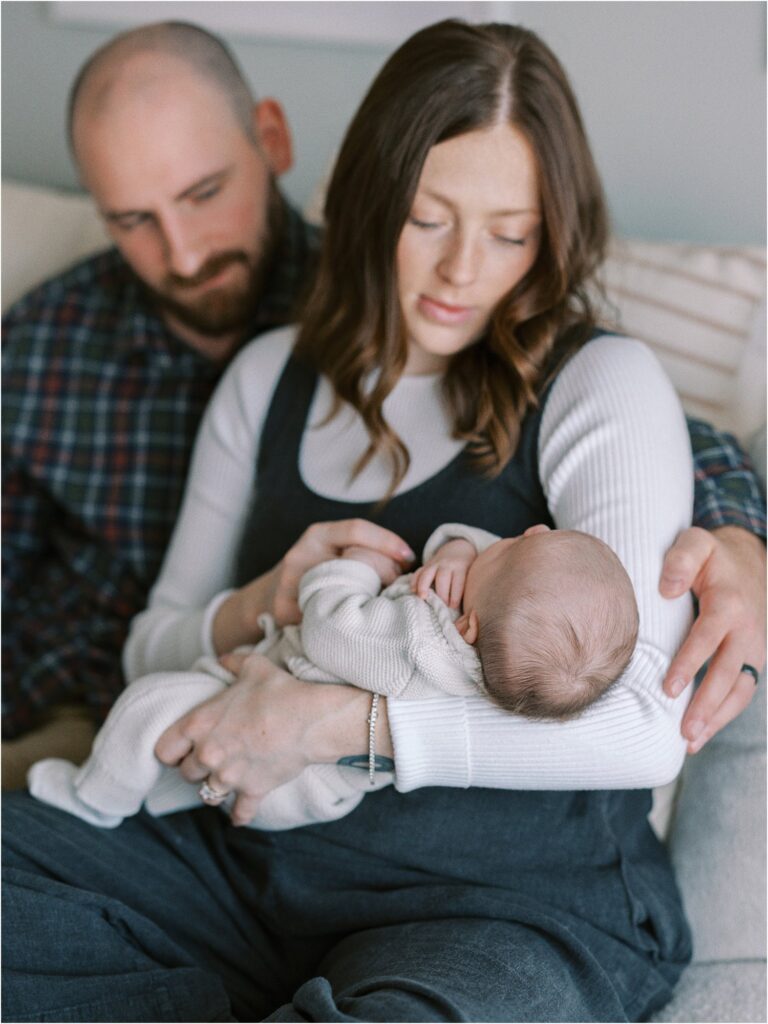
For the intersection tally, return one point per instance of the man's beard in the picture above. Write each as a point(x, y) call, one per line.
point(230, 308)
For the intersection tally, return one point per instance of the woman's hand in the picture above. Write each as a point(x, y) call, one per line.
point(263, 730)
point(277, 591)
point(386, 568)
point(725, 569)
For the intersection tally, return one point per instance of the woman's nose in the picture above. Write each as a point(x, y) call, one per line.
point(459, 263)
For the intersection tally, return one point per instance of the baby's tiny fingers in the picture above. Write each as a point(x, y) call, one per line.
point(443, 584)
point(457, 588)
point(424, 578)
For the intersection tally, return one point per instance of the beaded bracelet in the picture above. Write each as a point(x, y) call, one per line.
point(373, 762)
point(372, 716)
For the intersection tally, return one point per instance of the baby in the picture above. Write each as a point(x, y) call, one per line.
point(542, 624)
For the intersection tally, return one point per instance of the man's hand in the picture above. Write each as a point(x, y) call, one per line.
point(446, 570)
point(725, 569)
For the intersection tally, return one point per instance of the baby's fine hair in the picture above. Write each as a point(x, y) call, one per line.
point(561, 632)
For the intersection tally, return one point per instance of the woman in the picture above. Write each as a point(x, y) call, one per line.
point(443, 371)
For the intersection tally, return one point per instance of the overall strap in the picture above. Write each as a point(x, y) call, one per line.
point(287, 414)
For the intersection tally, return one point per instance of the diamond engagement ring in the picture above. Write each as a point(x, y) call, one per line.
point(212, 796)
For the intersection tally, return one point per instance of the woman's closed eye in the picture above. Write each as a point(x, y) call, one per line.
point(417, 222)
point(505, 240)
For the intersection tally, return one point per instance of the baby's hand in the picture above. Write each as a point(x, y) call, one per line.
point(387, 568)
point(446, 571)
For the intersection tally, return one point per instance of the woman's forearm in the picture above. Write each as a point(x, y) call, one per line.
point(614, 461)
point(266, 728)
point(236, 621)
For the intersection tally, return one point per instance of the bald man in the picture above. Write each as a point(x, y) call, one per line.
point(107, 368)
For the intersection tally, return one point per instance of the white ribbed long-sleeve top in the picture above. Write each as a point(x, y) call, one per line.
point(614, 461)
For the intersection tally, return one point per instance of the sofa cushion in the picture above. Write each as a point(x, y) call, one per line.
point(44, 231)
point(718, 839)
point(702, 310)
point(718, 992)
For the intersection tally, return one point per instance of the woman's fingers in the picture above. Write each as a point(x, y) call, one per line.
point(333, 537)
point(244, 809)
point(322, 541)
point(173, 746)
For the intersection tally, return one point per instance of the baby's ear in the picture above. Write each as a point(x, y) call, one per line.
point(468, 626)
point(533, 530)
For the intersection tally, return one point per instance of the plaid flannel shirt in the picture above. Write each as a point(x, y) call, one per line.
point(101, 408)
point(102, 405)
point(727, 491)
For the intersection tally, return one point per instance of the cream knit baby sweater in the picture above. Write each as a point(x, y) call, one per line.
point(387, 641)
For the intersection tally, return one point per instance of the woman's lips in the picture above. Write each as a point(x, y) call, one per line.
point(442, 313)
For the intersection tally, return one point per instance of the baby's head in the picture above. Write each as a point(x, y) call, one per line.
point(557, 621)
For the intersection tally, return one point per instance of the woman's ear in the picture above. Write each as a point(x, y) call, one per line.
point(468, 626)
point(274, 135)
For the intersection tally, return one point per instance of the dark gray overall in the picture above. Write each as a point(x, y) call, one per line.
point(440, 904)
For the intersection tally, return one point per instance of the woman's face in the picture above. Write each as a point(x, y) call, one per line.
point(472, 234)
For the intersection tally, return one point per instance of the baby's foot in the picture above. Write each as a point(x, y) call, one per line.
point(53, 782)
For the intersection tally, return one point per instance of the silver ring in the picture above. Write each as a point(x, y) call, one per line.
point(212, 797)
point(750, 670)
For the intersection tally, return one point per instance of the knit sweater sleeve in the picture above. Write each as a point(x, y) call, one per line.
point(199, 566)
point(614, 461)
point(392, 643)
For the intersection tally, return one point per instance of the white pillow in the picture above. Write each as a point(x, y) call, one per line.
point(44, 231)
point(701, 308)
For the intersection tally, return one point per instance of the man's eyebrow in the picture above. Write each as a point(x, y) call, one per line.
point(201, 183)
point(494, 213)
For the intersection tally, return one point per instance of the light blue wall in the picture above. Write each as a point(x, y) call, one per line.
point(673, 96)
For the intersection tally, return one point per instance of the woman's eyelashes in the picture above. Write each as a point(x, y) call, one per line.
point(417, 222)
point(509, 241)
point(432, 225)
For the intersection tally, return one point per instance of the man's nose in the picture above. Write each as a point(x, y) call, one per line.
point(184, 247)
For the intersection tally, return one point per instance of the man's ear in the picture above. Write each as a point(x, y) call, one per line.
point(274, 135)
point(468, 626)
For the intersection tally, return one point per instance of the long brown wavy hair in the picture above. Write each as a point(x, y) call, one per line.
point(446, 80)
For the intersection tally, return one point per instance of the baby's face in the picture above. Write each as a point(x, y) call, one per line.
point(489, 568)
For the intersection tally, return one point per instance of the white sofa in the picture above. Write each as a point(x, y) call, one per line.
point(702, 308)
